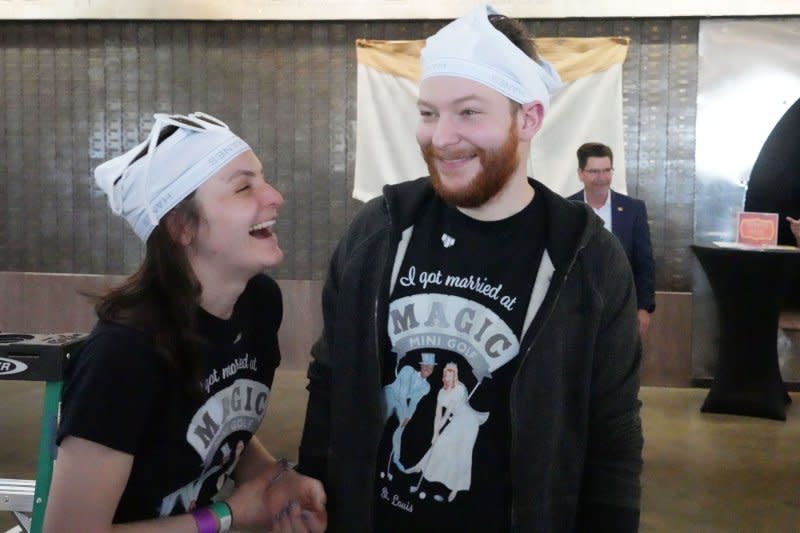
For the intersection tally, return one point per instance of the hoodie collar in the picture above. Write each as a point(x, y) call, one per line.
point(570, 227)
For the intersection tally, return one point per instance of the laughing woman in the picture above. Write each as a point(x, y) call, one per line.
point(161, 404)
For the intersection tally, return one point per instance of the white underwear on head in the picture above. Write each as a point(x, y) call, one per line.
point(144, 190)
point(471, 47)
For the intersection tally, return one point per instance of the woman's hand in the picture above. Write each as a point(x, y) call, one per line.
point(285, 502)
point(305, 510)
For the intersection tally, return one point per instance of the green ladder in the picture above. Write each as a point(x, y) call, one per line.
point(35, 357)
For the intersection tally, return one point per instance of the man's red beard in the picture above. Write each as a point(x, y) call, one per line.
point(497, 167)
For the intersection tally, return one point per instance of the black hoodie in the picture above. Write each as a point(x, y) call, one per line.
point(577, 441)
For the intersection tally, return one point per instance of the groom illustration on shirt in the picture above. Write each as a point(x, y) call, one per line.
point(402, 397)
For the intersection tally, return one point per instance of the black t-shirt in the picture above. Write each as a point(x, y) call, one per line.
point(119, 393)
point(459, 302)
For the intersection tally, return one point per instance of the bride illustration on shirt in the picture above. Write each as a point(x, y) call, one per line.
point(455, 429)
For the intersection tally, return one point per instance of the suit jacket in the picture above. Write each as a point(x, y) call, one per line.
point(629, 224)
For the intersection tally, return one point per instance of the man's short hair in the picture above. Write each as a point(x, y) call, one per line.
point(516, 33)
point(519, 37)
point(585, 151)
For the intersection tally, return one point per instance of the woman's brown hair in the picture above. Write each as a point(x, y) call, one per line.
point(161, 297)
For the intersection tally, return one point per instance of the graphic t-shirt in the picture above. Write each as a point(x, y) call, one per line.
point(118, 392)
point(455, 320)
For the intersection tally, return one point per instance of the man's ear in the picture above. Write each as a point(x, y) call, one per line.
point(179, 228)
point(530, 120)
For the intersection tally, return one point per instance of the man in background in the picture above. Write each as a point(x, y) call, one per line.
point(623, 216)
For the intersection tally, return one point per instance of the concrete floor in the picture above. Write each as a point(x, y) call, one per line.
point(703, 472)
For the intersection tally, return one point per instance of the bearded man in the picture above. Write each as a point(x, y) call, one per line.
point(520, 290)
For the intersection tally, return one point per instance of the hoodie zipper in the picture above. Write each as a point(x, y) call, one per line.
point(377, 335)
point(512, 411)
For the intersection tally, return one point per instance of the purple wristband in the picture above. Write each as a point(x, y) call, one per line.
point(206, 520)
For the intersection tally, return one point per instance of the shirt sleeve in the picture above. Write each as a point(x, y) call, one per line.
point(614, 453)
point(112, 389)
point(264, 303)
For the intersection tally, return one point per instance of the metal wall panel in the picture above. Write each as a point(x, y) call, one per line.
point(11, 200)
point(73, 94)
point(302, 95)
point(338, 191)
point(652, 158)
point(679, 187)
point(283, 172)
point(631, 74)
point(29, 183)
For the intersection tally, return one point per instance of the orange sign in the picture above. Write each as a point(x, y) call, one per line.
point(758, 229)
